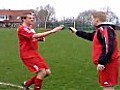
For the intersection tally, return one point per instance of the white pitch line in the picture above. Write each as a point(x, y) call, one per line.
point(9, 84)
point(12, 85)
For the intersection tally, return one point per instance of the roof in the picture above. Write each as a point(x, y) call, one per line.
point(15, 12)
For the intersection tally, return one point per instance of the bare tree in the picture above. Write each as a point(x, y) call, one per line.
point(85, 17)
point(45, 14)
point(111, 16)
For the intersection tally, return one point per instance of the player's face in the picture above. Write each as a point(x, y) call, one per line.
point(30, 19)
point(94, 21)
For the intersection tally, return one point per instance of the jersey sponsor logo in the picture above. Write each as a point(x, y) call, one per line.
point(29, 30)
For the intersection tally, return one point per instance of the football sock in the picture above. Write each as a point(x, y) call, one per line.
point(37, 84)
point(30, 82)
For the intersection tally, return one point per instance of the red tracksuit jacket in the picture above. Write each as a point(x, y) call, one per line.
point(104, 43)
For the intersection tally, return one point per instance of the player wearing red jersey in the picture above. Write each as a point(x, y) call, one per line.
point(105, 51)
point(28, 47)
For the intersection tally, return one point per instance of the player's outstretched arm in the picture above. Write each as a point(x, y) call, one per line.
point(82, 34)
point(44, 34)
point(73, 30)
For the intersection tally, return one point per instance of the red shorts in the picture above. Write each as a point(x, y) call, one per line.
point(35, 64)
point(109, 77)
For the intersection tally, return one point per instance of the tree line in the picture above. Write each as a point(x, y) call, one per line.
point(45, 17)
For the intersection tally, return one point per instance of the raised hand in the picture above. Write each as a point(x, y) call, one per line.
point(56, 29)
point(72, 29)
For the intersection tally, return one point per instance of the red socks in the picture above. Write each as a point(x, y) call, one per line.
point(30, 82)
point(37, 84)
point(36, 81)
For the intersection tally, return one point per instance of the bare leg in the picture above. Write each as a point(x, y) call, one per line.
point(108, 88)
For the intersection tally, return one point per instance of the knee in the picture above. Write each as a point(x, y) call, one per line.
point(41, 73)
point(48, 72)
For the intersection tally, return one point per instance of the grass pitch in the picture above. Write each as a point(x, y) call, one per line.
point(68, 56)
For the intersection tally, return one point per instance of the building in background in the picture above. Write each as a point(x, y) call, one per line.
point(9, 18)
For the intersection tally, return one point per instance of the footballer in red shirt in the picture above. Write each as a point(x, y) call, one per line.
point(105, 53)
point(28, 47)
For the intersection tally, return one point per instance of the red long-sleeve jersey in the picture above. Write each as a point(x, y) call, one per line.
point(104, 44)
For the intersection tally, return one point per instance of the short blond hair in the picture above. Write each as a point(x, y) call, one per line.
point(99, 14)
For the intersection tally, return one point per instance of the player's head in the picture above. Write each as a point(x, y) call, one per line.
point(28, 19)
point(98, 17)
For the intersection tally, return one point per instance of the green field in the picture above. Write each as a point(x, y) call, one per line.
point(68, 56)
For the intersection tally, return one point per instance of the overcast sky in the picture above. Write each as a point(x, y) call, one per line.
point(67, 8)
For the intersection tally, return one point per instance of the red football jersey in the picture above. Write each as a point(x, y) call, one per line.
point(28, 47)
point(97, 47)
